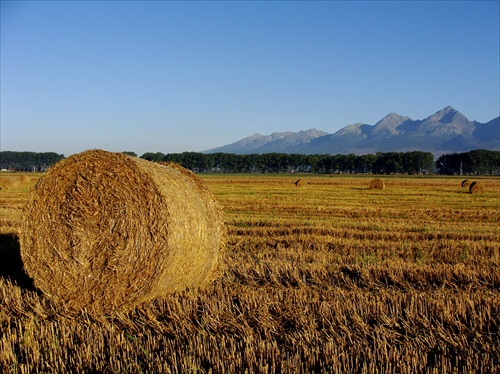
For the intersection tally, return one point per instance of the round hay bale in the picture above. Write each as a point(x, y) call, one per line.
point(300, 183)
point(106, 231)
point(377, 184)
point(466, 183)
point(476, 188)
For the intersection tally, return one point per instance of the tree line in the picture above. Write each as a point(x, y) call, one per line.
point(478, 162)
point(28, 161)
point(381, 163)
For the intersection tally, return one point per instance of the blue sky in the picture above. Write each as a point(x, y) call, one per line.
point(189, 76)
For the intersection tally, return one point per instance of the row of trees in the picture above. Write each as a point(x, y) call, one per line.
point(382, 163)
point(478, 162)
point(28, 161)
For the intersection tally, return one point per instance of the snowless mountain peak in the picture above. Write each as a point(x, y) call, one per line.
point(446, 122)
point(389, 124)
point(355, 128)
point(445, 131)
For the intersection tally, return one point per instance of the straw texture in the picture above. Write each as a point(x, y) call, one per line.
point(106, 231)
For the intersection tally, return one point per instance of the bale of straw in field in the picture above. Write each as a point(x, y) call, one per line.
point(10, 183)
point(476, 187)
point(466, 183)
point(377, 184)
point(106, 231)
point(300, 183)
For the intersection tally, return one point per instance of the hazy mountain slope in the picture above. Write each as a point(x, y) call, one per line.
point(488, 132)
point(276, 142)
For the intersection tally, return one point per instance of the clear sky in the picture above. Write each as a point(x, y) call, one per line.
point(172, 76)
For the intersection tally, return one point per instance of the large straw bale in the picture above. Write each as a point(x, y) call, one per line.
point(476, 187)
point(106, 231)
point(377, 184)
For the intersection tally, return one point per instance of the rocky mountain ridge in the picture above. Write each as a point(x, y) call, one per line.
point(446, 131)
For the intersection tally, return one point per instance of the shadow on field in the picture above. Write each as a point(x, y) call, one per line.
point(11, 263)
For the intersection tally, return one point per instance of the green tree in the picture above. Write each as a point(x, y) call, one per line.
point(417, 162)
point(365, 163)
point(129, 153)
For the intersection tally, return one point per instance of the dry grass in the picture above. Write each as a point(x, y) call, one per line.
point(13, 199)
point(329, 278)
point(10, 183)
point(105, 231)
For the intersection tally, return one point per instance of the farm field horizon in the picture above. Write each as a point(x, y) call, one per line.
point(329, 276)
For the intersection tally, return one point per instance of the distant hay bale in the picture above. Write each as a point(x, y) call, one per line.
point(300, 183)
point(10, 183)
point(466, 183)
point(107, 231)
point(377, 184)
point(476, 188)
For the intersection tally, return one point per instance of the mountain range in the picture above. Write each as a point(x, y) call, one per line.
point(446, 131)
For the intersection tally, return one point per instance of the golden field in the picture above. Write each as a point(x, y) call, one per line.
point(327, 277)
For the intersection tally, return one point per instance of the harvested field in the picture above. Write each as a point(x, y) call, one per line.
point(10, 183)
point(329, 278)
